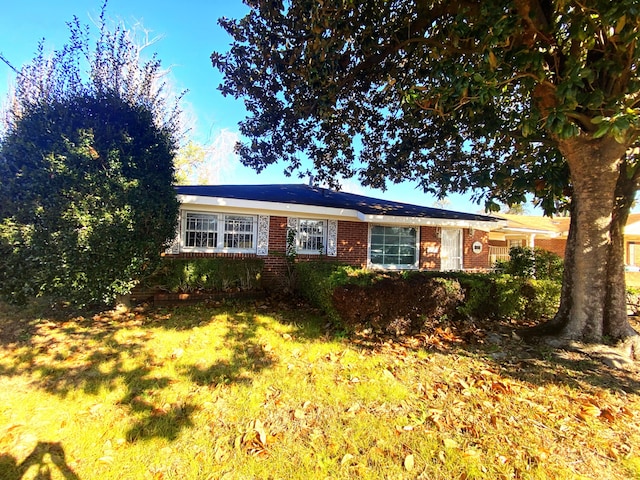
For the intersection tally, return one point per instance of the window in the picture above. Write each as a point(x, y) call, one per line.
point(311, 238)
point(217, 231)
point(515, 243)
point(238, 232)
point(201, 230)
point(394, 247)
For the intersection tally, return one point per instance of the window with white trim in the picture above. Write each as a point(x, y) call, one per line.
point(219, 232)
point(311, 237)
point(201, 230)
point(393, 247)
point(238, 232)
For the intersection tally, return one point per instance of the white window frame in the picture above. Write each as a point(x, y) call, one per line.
point(220, 232)
point(390, 266)
point(301, 232)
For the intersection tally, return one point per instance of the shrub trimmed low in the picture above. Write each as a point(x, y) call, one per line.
point(205, 274)
point(405, 301)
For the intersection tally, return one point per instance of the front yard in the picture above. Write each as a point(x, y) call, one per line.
point(266, 390)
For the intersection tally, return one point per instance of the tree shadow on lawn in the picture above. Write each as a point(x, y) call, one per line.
point(536, 363)
point(94, 353)
point(44, 457)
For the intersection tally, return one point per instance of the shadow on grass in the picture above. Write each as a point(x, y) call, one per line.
point(40, 461)
point(109, 351)
point(247, 355)
point(535, 363)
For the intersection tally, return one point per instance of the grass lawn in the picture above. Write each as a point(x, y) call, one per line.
point(265, 391)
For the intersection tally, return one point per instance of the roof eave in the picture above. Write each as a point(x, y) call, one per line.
point(289, 209)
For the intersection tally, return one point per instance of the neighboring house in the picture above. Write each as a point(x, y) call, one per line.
point(263, 221)
point(551, 234)
point(528, 231)
point(632, 242)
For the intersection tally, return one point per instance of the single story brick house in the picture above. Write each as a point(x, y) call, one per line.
point(263, 221)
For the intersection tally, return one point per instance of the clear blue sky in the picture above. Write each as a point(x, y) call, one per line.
point(190, 33)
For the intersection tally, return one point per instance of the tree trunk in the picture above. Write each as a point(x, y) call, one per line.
point(593, 299)
point(616, 324)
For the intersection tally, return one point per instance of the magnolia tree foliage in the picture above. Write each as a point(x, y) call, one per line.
point(505, 98)
point(86, 201)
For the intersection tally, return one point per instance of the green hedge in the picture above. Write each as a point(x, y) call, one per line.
point(381, 295)
point(205, 274)
point(537, 263)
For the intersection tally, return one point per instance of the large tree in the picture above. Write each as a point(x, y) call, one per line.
point(87, 200)
point(502, 97)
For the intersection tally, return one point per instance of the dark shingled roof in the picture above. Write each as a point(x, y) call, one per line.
point(301, 194)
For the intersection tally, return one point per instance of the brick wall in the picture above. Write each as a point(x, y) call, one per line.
point(352, 243)
point(471, 260)
point(352, 249)
point(274, 273)
point(555, 245)
point(429, 249)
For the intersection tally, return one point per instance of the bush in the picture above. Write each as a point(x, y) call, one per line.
point(398, 304)
point(316, 282)
point(503, 296)
point(633, 300)
point(205, 274)
point(406, 301)
point(533, 263)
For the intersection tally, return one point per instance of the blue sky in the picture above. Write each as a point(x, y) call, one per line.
point(189, 33)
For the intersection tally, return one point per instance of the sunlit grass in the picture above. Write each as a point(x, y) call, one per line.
point(258, 391)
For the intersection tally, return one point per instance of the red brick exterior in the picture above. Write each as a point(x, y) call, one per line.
point(353, 238)
point(470, 259)
point(352, 249)
point(555, 245)
point(429, 249)
point(275, 264)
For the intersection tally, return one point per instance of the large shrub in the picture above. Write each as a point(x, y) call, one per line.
point(88, 199)
point(316, 282)
point(397, 303)
point(86, 161)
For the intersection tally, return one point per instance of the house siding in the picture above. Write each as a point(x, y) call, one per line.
point(554, 245)
point(351, 248)
point(471, 260)
point(274, 273)
point(429, 249)
point(353, 238)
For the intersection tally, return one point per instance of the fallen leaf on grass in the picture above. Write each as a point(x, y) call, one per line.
point(387, 374)
point(346, 459)
point(589, 411)
point(608, 414)
point(409, 462)
point(450, 443)
point(254, 440)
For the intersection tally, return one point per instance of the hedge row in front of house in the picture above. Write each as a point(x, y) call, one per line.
point(406, 301)
point(179, 275)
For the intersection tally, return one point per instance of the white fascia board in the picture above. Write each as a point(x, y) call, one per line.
point(273, 208)
point(292, 209)
point(436, 222)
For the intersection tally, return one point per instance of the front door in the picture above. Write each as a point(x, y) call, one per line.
point(451, 249)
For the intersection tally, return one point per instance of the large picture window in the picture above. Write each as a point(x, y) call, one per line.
point(222, 232)
point(394, 247)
